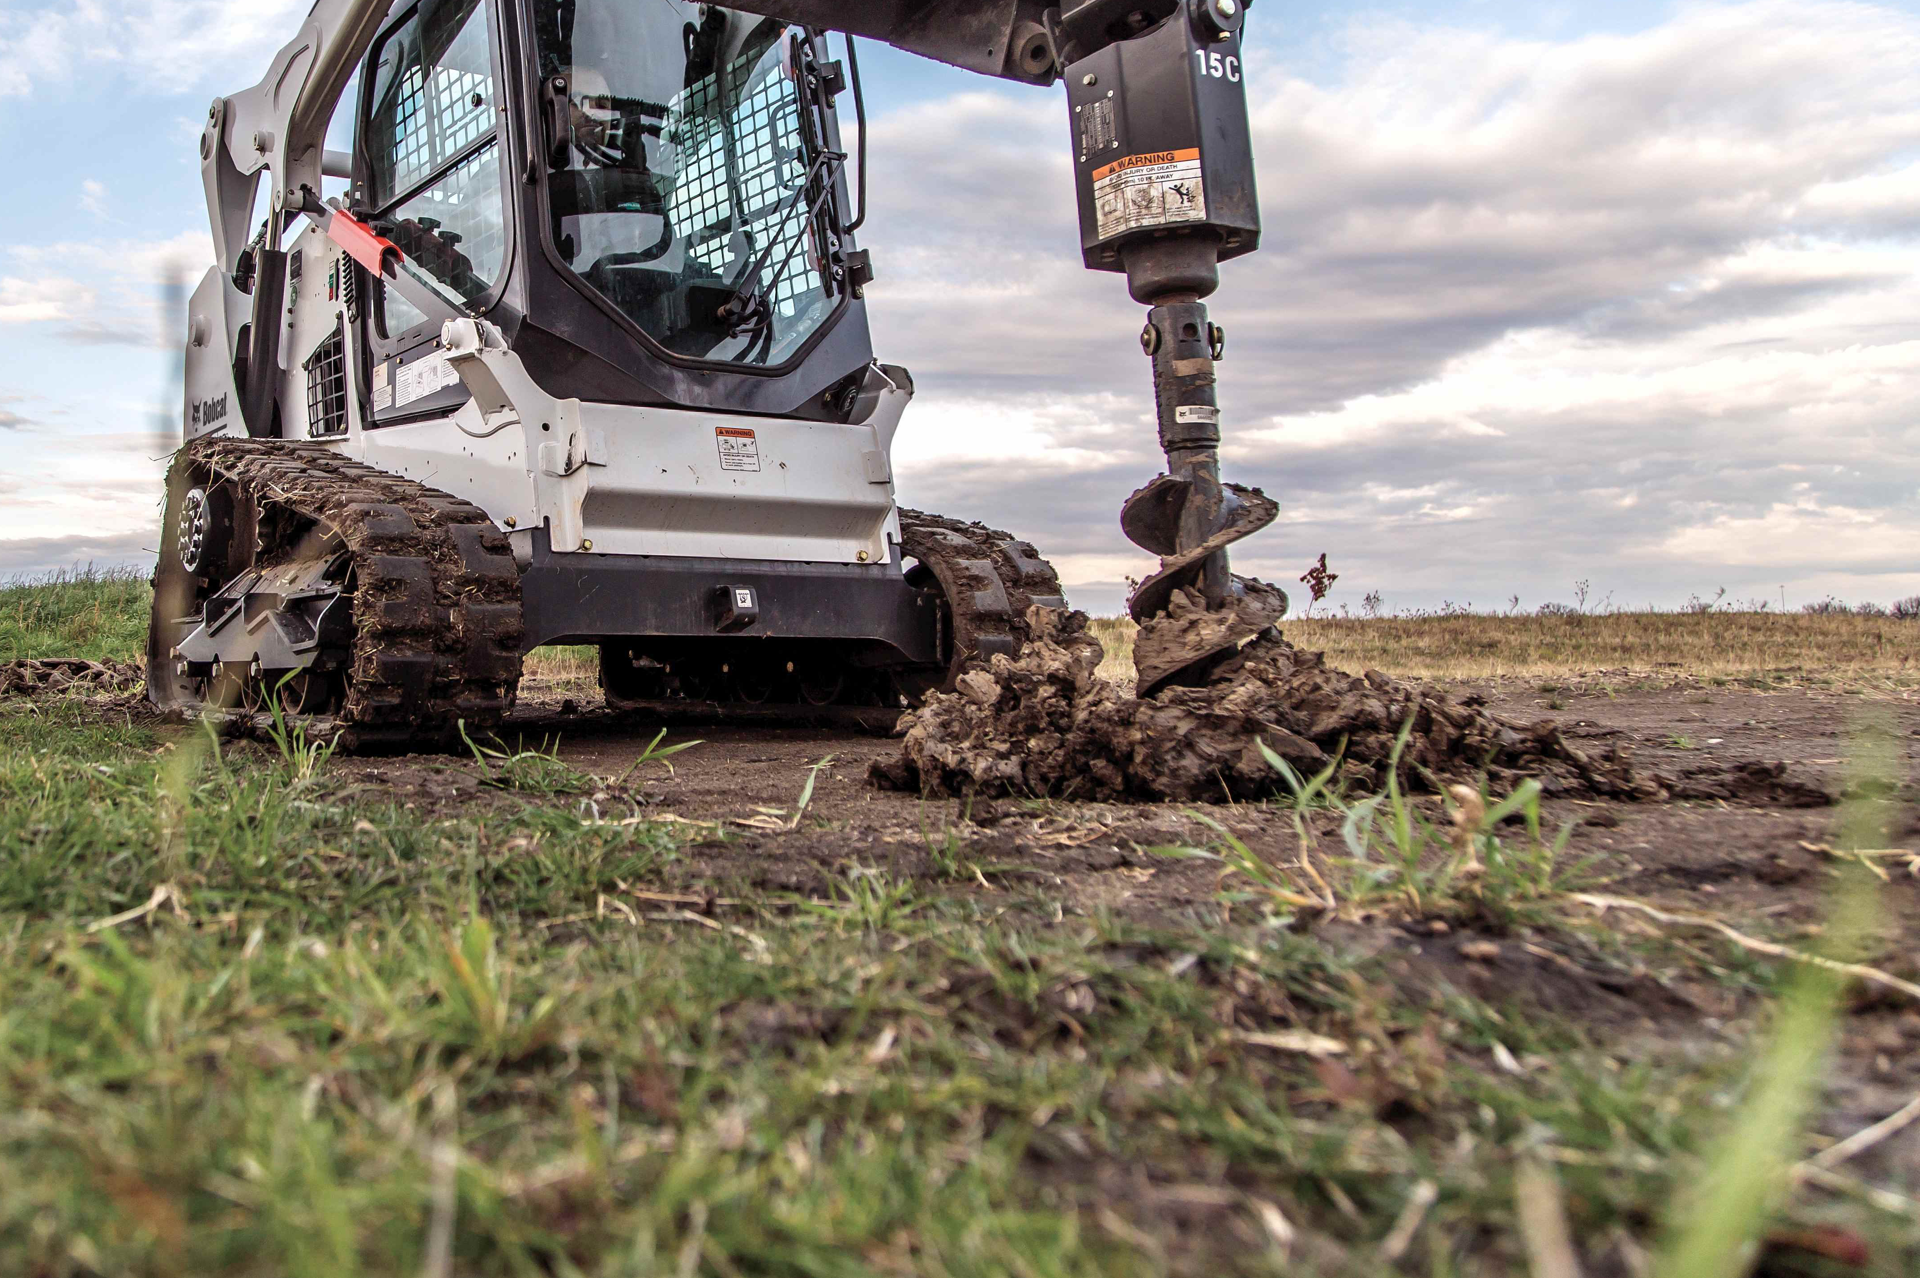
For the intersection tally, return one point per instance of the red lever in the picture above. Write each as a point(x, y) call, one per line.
point(362, 243)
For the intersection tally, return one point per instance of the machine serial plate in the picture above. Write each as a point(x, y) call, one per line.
point(739, 450)
point(1155, 189)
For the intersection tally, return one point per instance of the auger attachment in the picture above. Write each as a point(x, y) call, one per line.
point(1164, 169)
point(1189, 518)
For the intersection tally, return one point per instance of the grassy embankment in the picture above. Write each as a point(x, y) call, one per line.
point(100, 616)
point(260, 1017)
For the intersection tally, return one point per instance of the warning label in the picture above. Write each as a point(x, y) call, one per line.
point(422, 378)
point(1155, 189)
point(739, 450)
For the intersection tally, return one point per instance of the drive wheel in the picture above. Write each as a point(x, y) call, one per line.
point(751, 680)
point(308, 691)
point(203, 533)
point(196, 553)
point(820, 685)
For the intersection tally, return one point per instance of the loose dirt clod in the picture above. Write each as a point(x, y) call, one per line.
point(1045, 724)
point(31, 678)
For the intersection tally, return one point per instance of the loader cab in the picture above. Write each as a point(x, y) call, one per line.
point(648, 199)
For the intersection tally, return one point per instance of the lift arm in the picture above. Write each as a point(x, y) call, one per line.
point(280, 125)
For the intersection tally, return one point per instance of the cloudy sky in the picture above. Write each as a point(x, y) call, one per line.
point(1622, 293)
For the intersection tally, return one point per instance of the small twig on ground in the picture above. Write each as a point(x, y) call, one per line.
point(164, 894)
point(680, 898)
point(1870, 857)
point(606, 905)
point(653, 818)
point(1280, 1230)
point(1840, 1183)
point(1301, 1042)
point(753, 939)
point(1541, 1208)
point(1400, 1237)
point(1867, 1137)
point(1859, 971)
point(444, 1192)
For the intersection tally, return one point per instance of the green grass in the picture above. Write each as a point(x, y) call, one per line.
point(365, 1030)
point(101, 616)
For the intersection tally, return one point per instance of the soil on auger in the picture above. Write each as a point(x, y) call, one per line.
point(1045, 724)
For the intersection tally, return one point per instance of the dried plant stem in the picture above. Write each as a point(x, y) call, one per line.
point(1866, 1138)
point(1859, 971)
point(1542, 1211)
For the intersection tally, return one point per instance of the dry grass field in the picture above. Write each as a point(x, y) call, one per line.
point(1772, 647)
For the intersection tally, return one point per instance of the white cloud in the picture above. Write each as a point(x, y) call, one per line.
point(167, 45)
point(113, 498)
point(105, 291)
point(93, 197)
point(46, 297)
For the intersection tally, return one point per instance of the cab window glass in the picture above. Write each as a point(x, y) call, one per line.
point(433, 155)
point(687, 181)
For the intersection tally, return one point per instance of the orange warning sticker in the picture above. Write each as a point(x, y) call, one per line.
point(1150, 157)
point(1156, 188)
point(739, 450)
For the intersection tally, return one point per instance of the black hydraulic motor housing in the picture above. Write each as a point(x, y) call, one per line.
point(1163, 157)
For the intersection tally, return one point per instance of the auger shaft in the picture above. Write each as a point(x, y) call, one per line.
point(1183, 345)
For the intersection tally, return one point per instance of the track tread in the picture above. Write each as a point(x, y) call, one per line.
point(990, 579)
point(437, 617)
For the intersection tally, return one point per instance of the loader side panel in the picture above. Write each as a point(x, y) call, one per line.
point(215, 315)
point(680, 483)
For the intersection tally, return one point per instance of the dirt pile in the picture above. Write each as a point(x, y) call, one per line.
point(56, 675)
point(1046, 724)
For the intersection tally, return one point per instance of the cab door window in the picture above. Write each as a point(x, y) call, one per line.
point(688, 181)
point(432, 151)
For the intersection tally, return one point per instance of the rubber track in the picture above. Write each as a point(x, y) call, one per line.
point(437, 617)
point(989, 578)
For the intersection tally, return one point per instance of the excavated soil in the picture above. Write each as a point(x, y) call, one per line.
point(58, 676)
point(1044, 724)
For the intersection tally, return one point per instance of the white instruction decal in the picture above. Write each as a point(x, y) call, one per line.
point(1187, 414)
point(739, 450)
point(422, 378)
point(383, 384)
point(1155, 189)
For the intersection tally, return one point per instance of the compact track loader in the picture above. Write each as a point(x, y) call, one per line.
point(581, 356)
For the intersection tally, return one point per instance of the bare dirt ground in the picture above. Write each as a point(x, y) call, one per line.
point(1763, 769)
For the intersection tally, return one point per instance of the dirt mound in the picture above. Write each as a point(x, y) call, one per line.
point(55, 675)
point(1045, 724)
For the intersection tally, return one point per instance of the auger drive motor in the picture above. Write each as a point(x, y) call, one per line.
point(581, 355)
